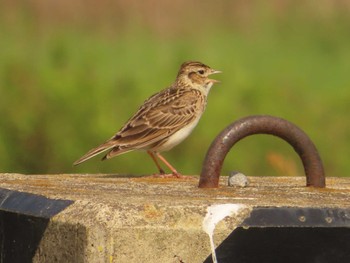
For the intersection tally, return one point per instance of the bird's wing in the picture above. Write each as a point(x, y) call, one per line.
point(161, 116)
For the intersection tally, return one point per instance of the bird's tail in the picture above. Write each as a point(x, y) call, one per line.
point(93, 152)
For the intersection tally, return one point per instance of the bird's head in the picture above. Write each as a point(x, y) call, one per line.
point(195, 74)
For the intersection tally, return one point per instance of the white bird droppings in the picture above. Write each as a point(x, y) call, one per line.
point(215, 213)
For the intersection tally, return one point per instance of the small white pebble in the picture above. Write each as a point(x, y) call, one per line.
point(237, 179)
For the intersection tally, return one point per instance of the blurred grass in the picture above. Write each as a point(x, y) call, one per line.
point(72, 74)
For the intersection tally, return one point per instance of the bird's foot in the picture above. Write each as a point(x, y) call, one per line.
point(164, 175)
point(172, 175)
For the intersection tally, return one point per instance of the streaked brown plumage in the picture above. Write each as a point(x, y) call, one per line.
point(165, 119)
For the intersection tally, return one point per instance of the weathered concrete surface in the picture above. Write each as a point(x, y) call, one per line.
point(141, 219)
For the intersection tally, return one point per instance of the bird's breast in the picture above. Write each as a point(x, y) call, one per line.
point(178, 136)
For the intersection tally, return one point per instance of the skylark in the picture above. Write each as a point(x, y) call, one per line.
point(165, 119)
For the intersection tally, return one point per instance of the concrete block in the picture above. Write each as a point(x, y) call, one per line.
point(114, 218)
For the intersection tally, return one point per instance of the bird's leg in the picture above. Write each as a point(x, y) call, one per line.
point(161, 171)
point(175, 173)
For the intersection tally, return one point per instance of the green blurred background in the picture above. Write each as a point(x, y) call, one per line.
point(73, 71)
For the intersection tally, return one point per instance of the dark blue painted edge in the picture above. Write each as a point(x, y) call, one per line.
point(298, 217)
point(31, 204)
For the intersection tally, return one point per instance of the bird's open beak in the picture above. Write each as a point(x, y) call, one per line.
point(214, 72)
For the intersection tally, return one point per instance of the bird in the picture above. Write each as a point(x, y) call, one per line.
point(164, 120)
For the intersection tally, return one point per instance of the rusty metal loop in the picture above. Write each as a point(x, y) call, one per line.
point(262, 124)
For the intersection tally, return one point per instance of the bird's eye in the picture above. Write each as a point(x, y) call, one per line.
point(201, 71)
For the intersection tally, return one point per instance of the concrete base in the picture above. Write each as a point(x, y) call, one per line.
point(113, 218)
